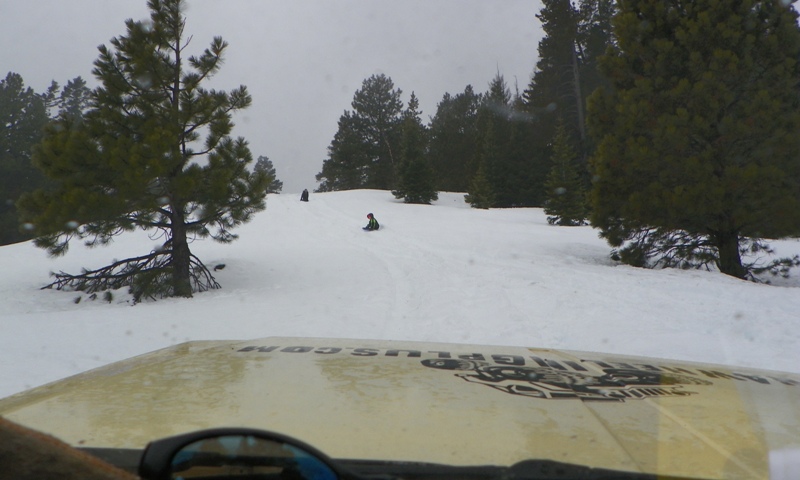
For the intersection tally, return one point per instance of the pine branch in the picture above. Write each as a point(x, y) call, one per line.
point(146, 276)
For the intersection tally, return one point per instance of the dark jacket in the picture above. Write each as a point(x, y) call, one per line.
point(373, 223)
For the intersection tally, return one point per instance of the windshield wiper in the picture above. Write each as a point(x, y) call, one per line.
point(390, 470)
point(525, 470)
point(549, 469)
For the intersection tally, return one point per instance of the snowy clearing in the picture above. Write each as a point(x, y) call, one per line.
point(440, 273)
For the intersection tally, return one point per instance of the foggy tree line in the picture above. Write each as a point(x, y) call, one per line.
point(671, 126)
point(24, 114)
point(496, 145)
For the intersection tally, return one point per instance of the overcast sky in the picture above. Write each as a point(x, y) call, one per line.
point(301, 60)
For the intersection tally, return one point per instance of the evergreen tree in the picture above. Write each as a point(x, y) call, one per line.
point(493, 129)
point(528, 166)
point(554, 91)
point(364, 153)
point(497, 100)
point(23, 114)
point(566, 197)
point(567, 70)
point(415, 178)
point(593, 37)
point(566, 74)
point(74, 99)
point(480, 190)
point(453, 140)
point(697, 154)
point(378, 108)
point(494, 133)
point(264, 166)
point(348, 162)
point(137, 161)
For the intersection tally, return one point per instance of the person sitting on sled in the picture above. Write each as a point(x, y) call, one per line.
point(373, 223)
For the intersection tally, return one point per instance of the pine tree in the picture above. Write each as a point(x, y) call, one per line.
point(493, 134)
point(363, 153)
point(567, 70)
point(264, 164)
point(453, 138)
point(377, 108)
point(349, 160)
point(480, 190)
point(593, 37)
point(74, 99)
point(554, 91)
point(23, 114)
point(697, 154)
point(527, 165)
point(137, 161)
point(566, 74)
point(566, 196)
point(415, 178)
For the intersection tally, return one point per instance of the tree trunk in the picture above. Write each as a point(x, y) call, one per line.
point(729, 261)
point(181, 255)
point(576, 79)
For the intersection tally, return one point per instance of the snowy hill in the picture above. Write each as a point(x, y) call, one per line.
point(432, 273)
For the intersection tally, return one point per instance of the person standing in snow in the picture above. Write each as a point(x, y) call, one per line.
point(373, 223)
point(304, 195)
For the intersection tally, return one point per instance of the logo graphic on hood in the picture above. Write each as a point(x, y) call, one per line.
point(616, 384)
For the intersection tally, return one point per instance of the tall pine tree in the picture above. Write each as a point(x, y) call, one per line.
point(349, 160)
point(566, 74)
point(264, 166)
point(481, 194)
point(566, 197)
point(415, 177)
point(698, 139)
point(555, 88)
point(453, 140)
point(137, 161)
point(493, 135)
point(364, 152)
point(378, 108)
point(74, 99)
point(23, 114)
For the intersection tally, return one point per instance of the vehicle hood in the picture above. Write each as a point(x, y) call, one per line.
point(430, 402)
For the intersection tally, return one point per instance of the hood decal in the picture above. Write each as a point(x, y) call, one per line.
point(616, 384)
point(538, 377)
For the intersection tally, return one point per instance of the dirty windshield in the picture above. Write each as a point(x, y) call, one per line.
point(486, 188)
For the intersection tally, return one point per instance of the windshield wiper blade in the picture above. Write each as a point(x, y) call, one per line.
point(390, 470)
point(525, 470)
point(552, 470)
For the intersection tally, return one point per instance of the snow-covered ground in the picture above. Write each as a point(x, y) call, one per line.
point(443, 273)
